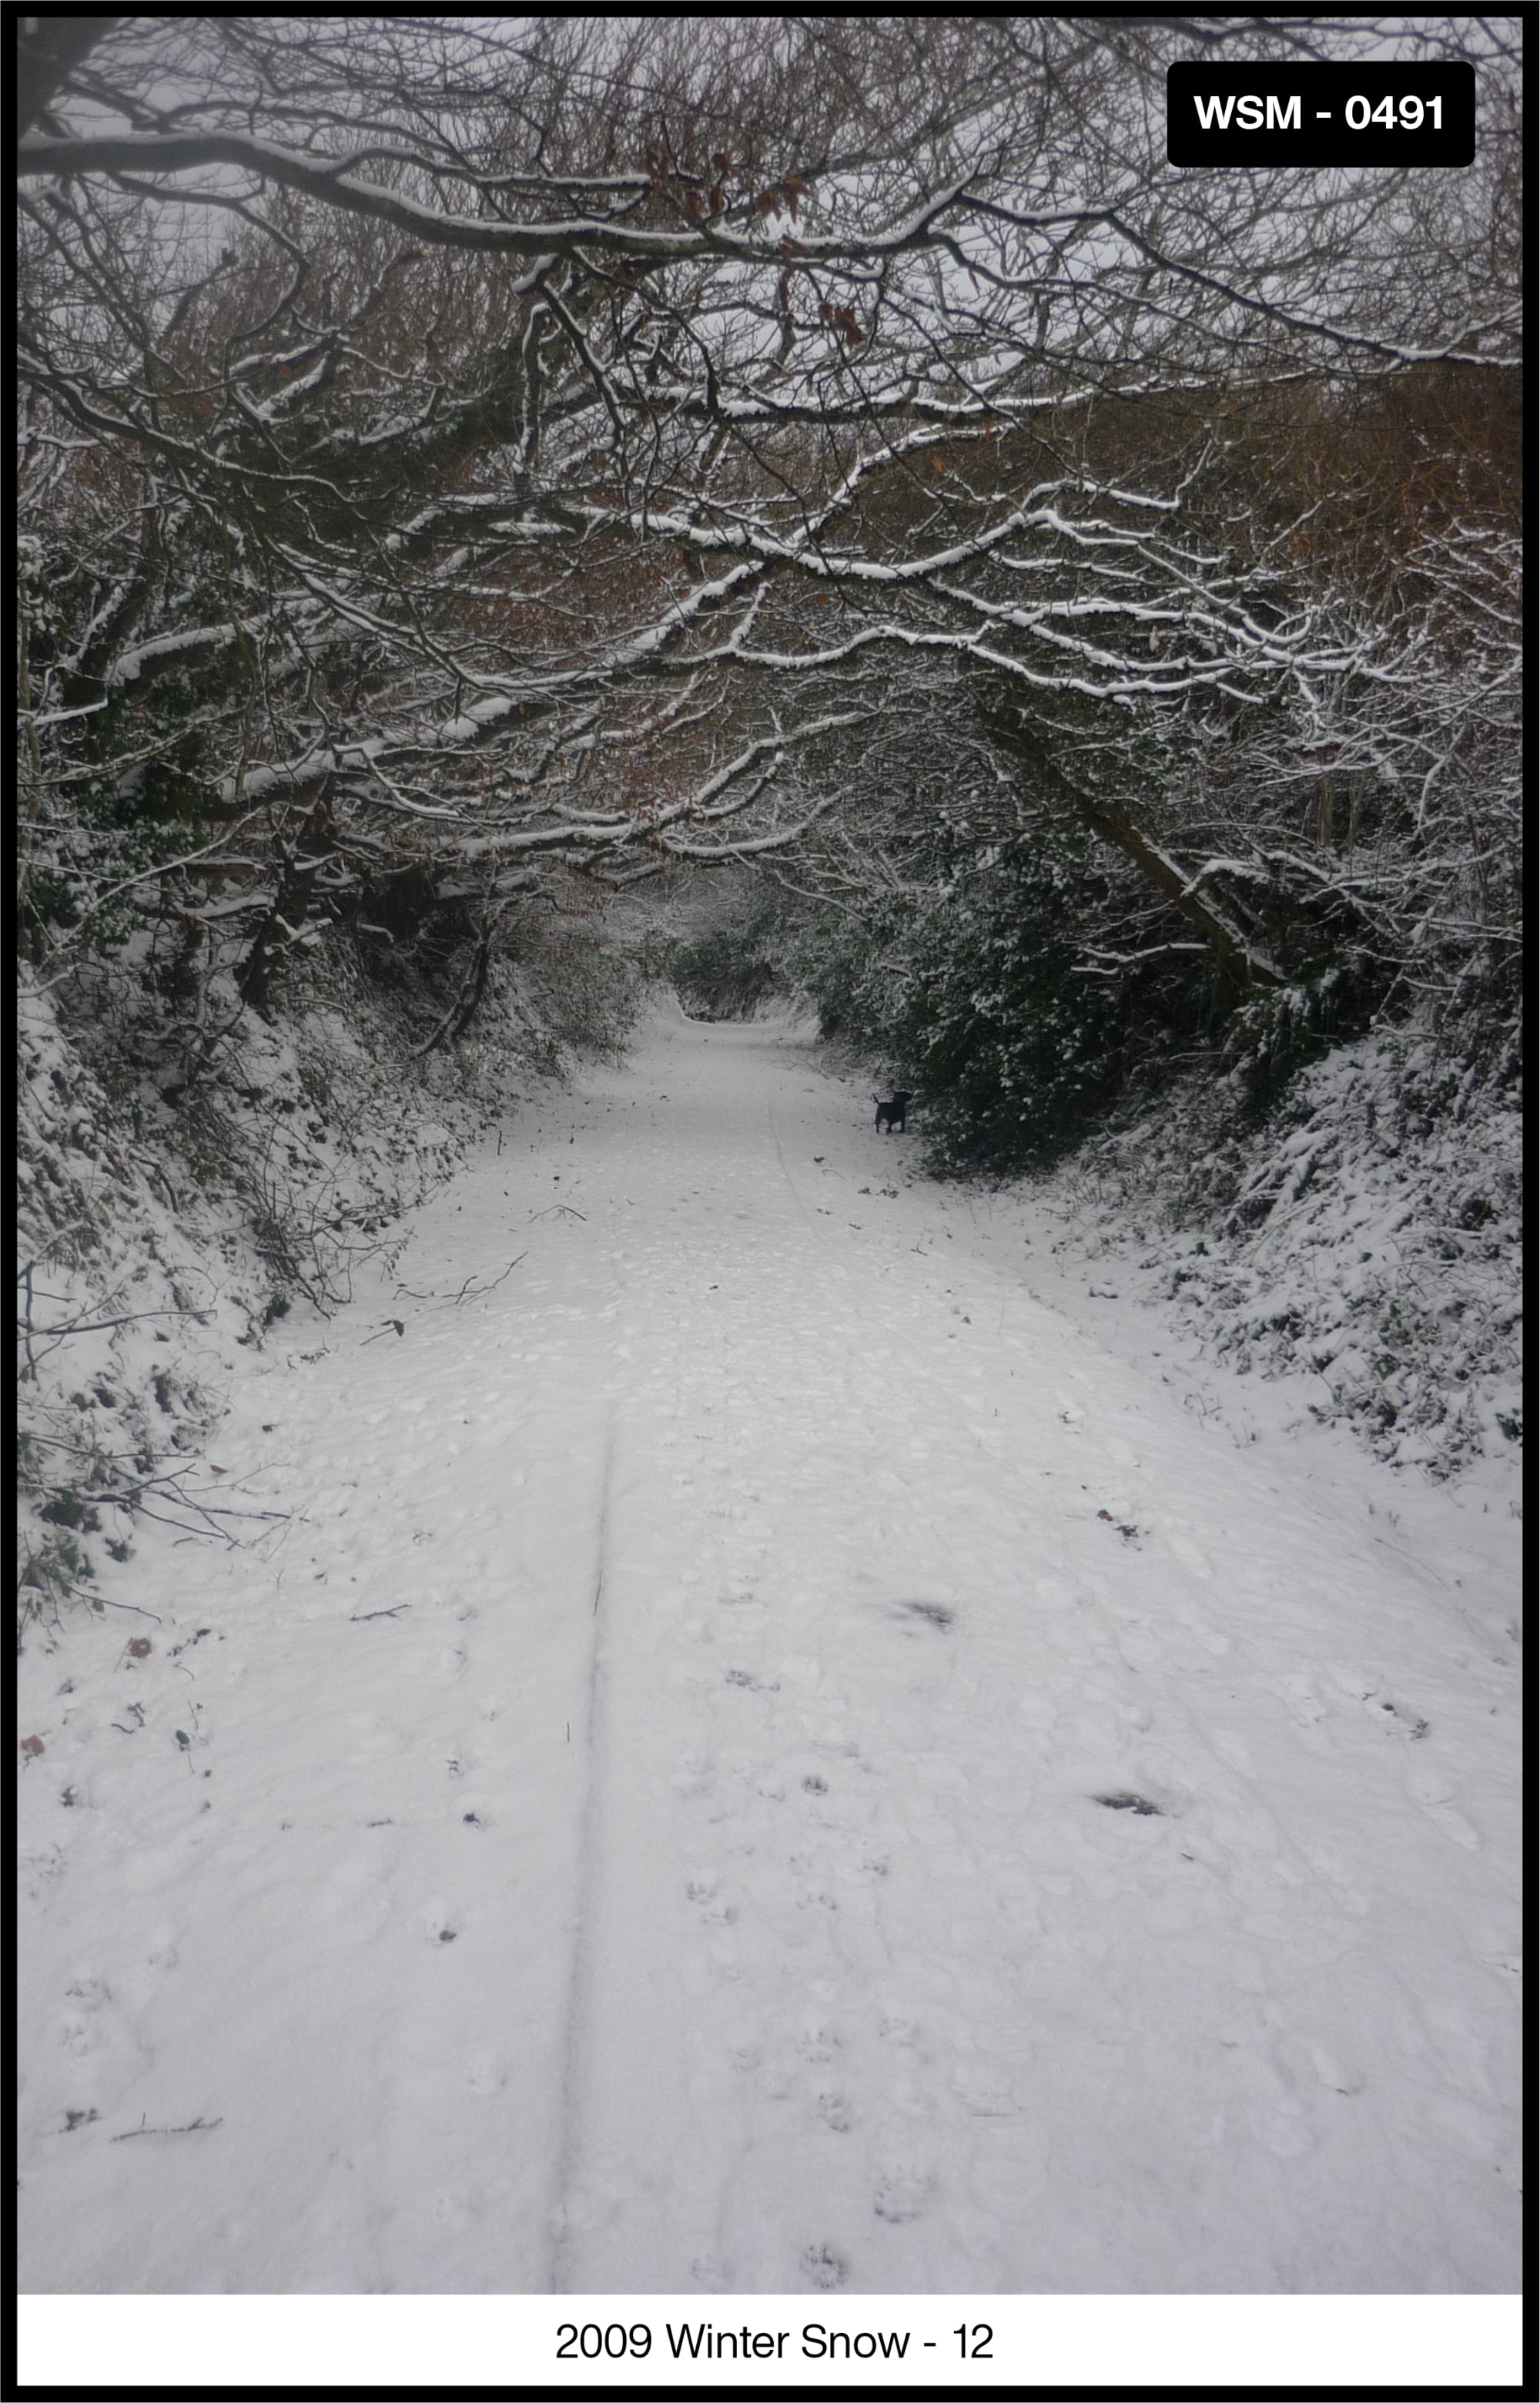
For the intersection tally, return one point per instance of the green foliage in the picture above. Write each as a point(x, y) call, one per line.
point(132, 799)
point(976, 992)
point(67, 1509)
point(51, 1571)
point(1275, 1034)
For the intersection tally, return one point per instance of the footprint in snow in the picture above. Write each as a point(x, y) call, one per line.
point(40, 1870)
point(1305, 1707)
point(823, 2268)
point(704, 1893)
point(77, 2032)
point(902, 2195)
point(835, 2113)
point(818, 2041)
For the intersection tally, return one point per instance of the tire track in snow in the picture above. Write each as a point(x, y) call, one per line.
point(780, 1154)
point(577, 2006)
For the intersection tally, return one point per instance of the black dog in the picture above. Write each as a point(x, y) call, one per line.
point(890, 1114)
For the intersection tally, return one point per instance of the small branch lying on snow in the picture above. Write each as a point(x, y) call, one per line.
point(191, 2128)
point(473, 1292)
point(356, 1617)
point(105, 1601)
point(470, 1290)
point(99, 1326)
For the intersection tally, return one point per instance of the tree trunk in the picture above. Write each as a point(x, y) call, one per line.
point(290, 906)
point(1114, 822)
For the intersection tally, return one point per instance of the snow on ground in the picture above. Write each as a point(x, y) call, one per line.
point(764, 1757)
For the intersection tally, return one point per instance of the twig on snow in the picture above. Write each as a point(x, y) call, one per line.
point(105, 1601)
point(470, 1290)
point(191, 2128)
point(474, 1291)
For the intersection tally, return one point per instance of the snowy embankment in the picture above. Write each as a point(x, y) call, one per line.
point(157, 1243)
point(1365, 1245)
point(758, 1756)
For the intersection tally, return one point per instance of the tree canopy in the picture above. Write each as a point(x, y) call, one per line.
point(494, 459)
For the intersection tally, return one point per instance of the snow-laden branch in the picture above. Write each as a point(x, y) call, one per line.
point(334, 182)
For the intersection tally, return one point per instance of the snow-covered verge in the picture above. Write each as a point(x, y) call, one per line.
point(1363, 1242)
point(168, 1223)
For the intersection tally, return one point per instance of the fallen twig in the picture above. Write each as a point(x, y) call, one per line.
point(97, 1325)
point(191, 2128)
point(105, 1601)
point(470, 1290)
point(475, 1291)
point(356, 1617)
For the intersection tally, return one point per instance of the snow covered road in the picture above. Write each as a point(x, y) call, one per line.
point(764, 1759)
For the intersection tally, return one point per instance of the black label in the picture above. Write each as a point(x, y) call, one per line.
point(1374, 115)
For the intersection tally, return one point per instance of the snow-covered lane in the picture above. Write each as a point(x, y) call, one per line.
point(856, 1787)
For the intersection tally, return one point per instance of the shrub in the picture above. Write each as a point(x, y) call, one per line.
point(989, 1010)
